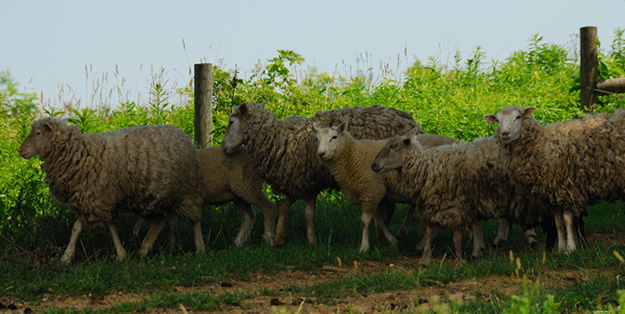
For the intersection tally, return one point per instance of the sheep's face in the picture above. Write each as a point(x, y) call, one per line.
point(327, 139)
point(509, 120)
point(37, 142)
point(234, 135)
point(392, 154)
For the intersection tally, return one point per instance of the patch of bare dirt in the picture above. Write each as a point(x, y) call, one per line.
point(433, 294)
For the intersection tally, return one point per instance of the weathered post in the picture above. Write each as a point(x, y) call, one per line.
point(588, 66)
point(203, 116)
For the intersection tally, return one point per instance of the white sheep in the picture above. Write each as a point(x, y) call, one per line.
point(568, 165)
point(152, 171)
point(454, 186)
point(349, 161)
point(284, 152)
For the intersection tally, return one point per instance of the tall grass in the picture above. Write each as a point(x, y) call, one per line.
point(448, 99)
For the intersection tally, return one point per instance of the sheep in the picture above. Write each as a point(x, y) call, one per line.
point(230, 178)
point(349, 160)
point(454, 186)
point(284, 151)
point(151, 171)
point(568, 165)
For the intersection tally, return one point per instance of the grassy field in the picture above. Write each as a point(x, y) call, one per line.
point(447, 99)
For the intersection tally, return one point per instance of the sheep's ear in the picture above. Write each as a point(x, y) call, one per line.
point(52, 124)
point(490, 118)
point(242, 108)
point(527, 111)
point(342, 127)
point(316, 126)
point(413, 132)
point(262, 105)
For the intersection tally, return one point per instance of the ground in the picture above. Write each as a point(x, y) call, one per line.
point(397, 300)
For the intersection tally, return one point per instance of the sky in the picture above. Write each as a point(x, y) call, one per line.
point(46, 44)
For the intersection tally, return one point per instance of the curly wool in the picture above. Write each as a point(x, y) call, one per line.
point(573, 164)
point(285, 151)
point(456, 186)
point(148, 170)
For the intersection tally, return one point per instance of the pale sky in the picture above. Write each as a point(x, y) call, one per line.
point(48, 43)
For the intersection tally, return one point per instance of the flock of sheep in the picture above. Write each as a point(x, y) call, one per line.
point(527, 173)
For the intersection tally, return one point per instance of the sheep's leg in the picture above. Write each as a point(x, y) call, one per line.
point(458, 242)
point(171, 231)
point(141, 223)
point(530, 237)
point(407, 220)
point(268, 208)
point(385, 213)
point(502, 232)
point(71, 246)
point(478, 240)
point(283, 208)
point(310, 220)
point(121, 253)
point(559, 221)
point(151, 236)
point(430, 232)
point(570, 232)
point(247, 221)
point(422, 228)
point(365, 220)
point(199, 239)
point(382, 224)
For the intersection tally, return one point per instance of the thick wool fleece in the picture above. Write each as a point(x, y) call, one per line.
point(573, 164)
point(456, 186)
point(149, 170)
point(285, 151)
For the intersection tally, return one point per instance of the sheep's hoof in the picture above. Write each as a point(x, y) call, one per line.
point(458, 264)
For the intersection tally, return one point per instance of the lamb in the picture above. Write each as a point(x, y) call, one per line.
point(349, 160)
point(454, 186)
point(568, 165)
point(151, 171)
point(284, 152)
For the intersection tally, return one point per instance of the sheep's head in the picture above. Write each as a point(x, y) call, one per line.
point(234, 136)
point(328, 139)
point(509, 120)
point(38, 141)
point(391, 156)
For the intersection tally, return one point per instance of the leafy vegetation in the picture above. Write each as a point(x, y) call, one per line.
point(444, 99)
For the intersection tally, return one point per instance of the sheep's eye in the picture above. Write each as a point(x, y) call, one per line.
point(38, 132)
point(334, 137)
point(518, 117)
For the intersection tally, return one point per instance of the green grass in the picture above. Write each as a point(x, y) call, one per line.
point(448, 99)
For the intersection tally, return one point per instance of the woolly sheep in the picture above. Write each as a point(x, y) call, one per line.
point(284, 152)
point(230, 178)
point(349, 161)
point(454, 186)
point(149, 170)
point(568, 165)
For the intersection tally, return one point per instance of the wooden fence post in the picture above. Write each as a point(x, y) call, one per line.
point(588, 66)
point(203, 116)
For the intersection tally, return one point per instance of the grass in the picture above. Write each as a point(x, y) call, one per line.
point(593, 281)
point(448, 99)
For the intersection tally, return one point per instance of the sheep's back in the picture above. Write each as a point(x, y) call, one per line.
point(155, 167)
point(373, 122)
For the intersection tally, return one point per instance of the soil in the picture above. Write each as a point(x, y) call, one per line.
point(434, 294)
